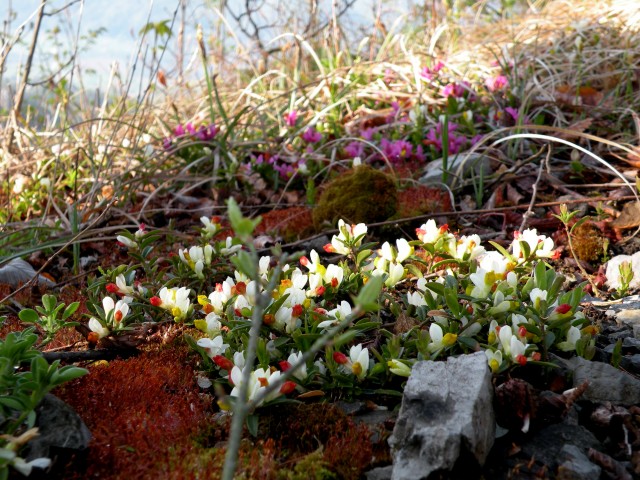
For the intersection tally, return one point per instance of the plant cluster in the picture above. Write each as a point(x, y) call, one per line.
point(459, 296)
point(21, 390)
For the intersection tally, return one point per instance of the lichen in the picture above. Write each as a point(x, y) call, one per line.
point(360, 195)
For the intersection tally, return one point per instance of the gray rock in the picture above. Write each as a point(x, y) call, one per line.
point(576, 465)
point(545, 445)
point(60, 429)
point(632, 363)
point(380, 473)
point(606, 383)
point(446, 420)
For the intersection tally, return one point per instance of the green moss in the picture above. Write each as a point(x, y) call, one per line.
point(359, 195)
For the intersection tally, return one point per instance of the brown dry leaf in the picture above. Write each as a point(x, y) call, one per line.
point(404, 323)
point(629, 217)
point(578, 127)
point(513, 195)
point(568, 95)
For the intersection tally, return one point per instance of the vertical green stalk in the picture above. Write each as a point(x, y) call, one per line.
point(445, 149)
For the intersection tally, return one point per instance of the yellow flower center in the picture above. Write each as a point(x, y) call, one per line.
point(356, 368)
point(449, 339)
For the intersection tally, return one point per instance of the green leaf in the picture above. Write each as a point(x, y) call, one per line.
point(549, 338)
point(362, 256)
point(70, 310)
point(367, 299)
point(502, 250)
point(13, 402)
point(469, 342)
point(242, 226)
point(344, 338)
point(243, 261)
point(70, 373)
point(616, 356)
point(28, 315)
point(49, 302)
point(252, 424)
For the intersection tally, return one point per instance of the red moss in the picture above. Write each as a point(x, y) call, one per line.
point(137, 410)
point(289, 223)
point(422, 199)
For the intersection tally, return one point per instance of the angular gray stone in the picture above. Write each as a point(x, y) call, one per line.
point(576, 465)
point(60, 428)
point(545, 445)
point(606, 383)
point(446, 418)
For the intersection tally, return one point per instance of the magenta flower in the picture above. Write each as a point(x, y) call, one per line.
point(497, 83)
point(166, 143)
point(354, 149)
point(190, 129)
point(514, 113)
point(455, 90)
point(396, 151)
point(311, 135)
point(207, 133)
point(455, 141)
point(291, 117)
point(367, 133)
point(429, 73)
point(179, 130)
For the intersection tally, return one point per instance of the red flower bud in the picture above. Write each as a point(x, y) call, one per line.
point(304, 261)
point(334, 282)
point(564, 308)
point(522, 360)
point(536, 356)
point(297, 310)
point(268, 319)
point(93, 338)
point(241, 288)
point(223, 362)
point(287, 387)
point(155, 301)
point(117, 316)
point(329, 248)
point(320, 290)
point(340, 358)
point(284, 365)
point(112, 288)
point(522, 331)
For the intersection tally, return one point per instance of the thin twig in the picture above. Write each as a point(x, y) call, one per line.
point(543, 164)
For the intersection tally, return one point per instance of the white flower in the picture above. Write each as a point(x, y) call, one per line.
point(176, 300)
point(339, 313)
point(333, 275)
point(127, 242)
point(429, 232)
point(263, 266)
point(96, 326)
point(25, 467)
point(541, 245)
point(120, 310)
point(468, 248)
point(359, 361)
point(210, 228)
point(348, 235)
point(416, 299)
point(229, 248)
point(399, 368)
point(214, 346)
point(573, 335)
point(121, 283)
point(537, 295)
point(494, 359)
point(294, 358)
point(258, 381)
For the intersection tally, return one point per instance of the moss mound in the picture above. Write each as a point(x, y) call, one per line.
point(361, 195)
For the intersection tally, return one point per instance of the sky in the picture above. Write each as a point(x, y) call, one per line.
point(122, 19)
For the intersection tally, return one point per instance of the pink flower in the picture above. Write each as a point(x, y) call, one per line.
point(367, 133)
point(429, 73)
point(514, 113)
point(291, 117)
point(179, 130)
point(397, 150)
point(497, 83)
point(354, 149)
point(453, 90)
point(311, 135)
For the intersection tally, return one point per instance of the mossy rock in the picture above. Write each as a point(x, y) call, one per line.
point(361, 195)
